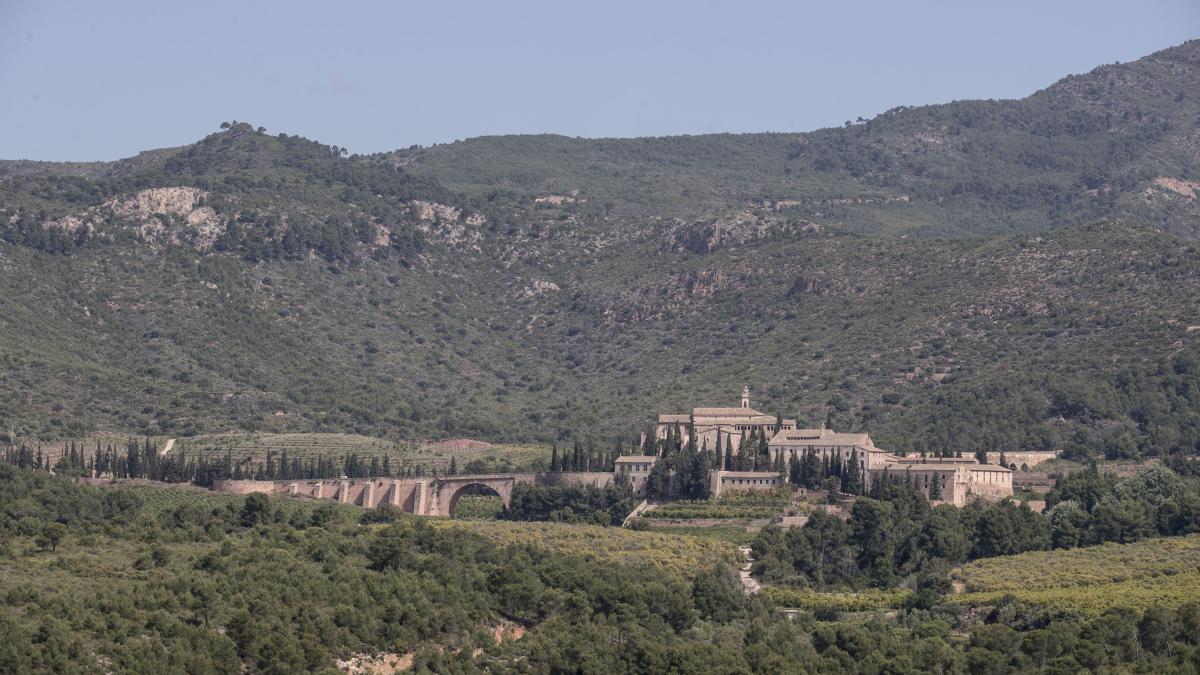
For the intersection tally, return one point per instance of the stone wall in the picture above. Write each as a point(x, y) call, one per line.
point(1030, 458)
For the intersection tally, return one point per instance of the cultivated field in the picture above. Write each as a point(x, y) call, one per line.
point(678, 552)
point(1153, 572)
point(427, 454)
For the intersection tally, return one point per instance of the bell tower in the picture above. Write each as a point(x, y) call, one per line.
point(745, 396)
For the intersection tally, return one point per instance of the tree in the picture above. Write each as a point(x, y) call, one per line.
point(255, 510)
point(1155, 629)
point(51, 536)
point(935, 487)
point(933, 583)
point(204, 599)
point(1068, 522)
point(554, 457)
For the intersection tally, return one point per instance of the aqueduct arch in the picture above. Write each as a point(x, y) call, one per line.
point(445, 491)
point(424, 496)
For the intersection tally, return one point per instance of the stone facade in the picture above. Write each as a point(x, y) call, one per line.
point(637, 469)
point(1022, 460)
point(726, 482)
point(962, 479)
point(722, 426)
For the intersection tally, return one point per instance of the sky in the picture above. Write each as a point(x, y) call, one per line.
point(103, 80)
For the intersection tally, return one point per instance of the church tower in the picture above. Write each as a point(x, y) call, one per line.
point(745, 396)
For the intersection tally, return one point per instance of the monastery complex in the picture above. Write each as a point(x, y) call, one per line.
point(959, 479)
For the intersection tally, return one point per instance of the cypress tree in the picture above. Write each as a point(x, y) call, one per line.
point(935, 487)
point(554, 457)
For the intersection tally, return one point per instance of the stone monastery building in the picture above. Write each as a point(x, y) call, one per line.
point(962, 479)
point(713, 425)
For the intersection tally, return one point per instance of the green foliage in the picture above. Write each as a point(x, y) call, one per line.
point(289, 595)
point(571, 503)
point(898, 540)
point(479, 507)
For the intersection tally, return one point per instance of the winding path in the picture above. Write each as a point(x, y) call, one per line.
point(750, 585)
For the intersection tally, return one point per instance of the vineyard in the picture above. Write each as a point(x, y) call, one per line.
point(1155, 572)
point(1140, 593)
point(679, 553)
point(734, 533)
point(1083, 567)
point(748, 505)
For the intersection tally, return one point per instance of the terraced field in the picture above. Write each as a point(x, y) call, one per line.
point(430, 454)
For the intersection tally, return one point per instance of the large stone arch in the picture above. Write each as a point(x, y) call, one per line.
point(448, 489)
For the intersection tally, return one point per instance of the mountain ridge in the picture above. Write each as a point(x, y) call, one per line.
point(268, 282)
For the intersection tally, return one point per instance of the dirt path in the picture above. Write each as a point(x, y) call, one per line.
point(167, 448)
point(749, 584)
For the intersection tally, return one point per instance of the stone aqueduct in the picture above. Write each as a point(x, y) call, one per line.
point(427, 496)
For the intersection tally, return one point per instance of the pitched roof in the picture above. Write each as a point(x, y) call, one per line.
point(636, 459)
point(751, 474)
point(729, 412)
point(804, 437)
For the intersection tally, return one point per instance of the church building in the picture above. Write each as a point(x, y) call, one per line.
point(723, 424)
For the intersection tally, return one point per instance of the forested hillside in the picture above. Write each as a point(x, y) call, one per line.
point(976, 275)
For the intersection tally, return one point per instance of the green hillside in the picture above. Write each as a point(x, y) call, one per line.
point(976, 275)
point(1086, 147)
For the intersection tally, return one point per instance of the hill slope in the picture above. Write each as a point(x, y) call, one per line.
point(1089, 146)
point(534, 288)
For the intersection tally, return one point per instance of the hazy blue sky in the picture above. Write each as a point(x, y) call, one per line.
point(102, 80)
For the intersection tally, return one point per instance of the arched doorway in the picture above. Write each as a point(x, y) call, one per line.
point(476, 501)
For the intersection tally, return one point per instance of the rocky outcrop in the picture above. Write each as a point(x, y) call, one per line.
point(159, 216)
point(447, 224)
point(706, 236)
